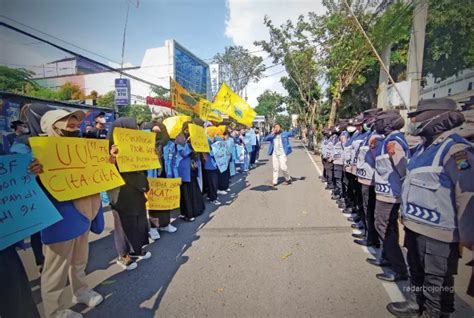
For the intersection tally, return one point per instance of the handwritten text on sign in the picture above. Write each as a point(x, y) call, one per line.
point(164, 193)
point(24, 208)
point(198, 138)
point(221, 155)
point(75, 167)
point(136, 150)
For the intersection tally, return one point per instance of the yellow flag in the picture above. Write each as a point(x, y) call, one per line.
point(174, 125)
point(181, 99)
point(198, 138)
point(136, 150)
point(228, 102)
point(207, 112)
point(164, 193)
point(75, 167)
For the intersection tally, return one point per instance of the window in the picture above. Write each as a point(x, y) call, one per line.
point(449, 92)
point(434, 95)
point(469, 86)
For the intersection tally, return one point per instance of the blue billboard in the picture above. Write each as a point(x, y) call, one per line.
point(190, 72)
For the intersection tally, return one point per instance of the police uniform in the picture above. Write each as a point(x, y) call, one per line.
point(330, 159)
point(437, 195)
point(338, 166)
point(349, 179)
point(324, 144)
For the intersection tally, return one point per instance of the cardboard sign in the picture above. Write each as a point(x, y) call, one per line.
point(75, 167)
point(221, 155)
point(136, 150)
point(164, 193)
point(174, 125)
point(24, 207)
point(198, 138)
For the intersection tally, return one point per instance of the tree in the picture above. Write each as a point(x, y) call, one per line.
point(290, 46)
point(284, 120)
point(449, 38)
point(237, 67)
point(106, 100)
point(161, 92)
point(269, 105)
point(140, 112)
point(70, 91)
point(15, 80)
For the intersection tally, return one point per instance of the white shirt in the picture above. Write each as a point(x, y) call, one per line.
point(278, 146)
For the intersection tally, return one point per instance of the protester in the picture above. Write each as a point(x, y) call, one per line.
point(279, 149)
point(224, 177)
point(66, 248)
point(258, 136)
point(99, 130)
point(212, 175)
point(130, 204)
point(19, 128)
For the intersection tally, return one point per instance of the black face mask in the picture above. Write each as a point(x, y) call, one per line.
point(379, 127)
point(68, 133)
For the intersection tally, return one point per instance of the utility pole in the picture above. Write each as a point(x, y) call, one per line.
point(382, 95)
point(415, 51)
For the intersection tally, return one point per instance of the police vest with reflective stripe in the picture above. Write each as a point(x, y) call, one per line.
point(358, 140)
point(427, 193)
point(365, 161)
point(337, 153)
point(346, 153)
point(387, 180)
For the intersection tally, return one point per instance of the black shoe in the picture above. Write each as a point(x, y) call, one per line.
point(341, 206)
point(403, 309)
point(364, 242)
point(353, 219)
point(392, 277)
point(348, 210)
point(359, 236)
point(375, 262)
point(357, 226)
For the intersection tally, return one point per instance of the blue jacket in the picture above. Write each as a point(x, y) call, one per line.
point(285, 141)
point(73, 224)
point(183, 161)
point(169, 160)
point(210, 163)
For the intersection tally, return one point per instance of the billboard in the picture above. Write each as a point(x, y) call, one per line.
point(190, 72)
point(122, 92)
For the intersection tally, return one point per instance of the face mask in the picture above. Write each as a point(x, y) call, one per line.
point(366, 127)
point(71, 133)
point(351, 129)
point(25, 130)
point(101, 120)
point(415, 129)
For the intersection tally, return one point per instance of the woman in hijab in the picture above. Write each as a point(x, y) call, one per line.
point(160, 219)
point(188, 166)
point(66, 244)
point(129, 202)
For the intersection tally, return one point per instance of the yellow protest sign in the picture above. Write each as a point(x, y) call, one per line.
point(207, 112)
point(174, 125)
point(75, 167)
point(136, 150)
point(181, 99)
point(228, 102)
point(164, 194)
point(198, 138)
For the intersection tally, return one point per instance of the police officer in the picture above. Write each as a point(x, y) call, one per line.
point(324, 147)
point(329, 158)
point(437, 193)
point(390, 168)
point(347, 182)
point(337, 161)
point(365, 177)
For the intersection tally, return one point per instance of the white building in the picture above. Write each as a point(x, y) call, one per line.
point(457, 87)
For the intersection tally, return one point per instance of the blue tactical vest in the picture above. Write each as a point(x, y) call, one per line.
point(337, 152)
point(324, 145)
point(427, 192)
point(387, 180)
point(356, 143)
point(346, 154)
point(365, 160)
point(330, 147)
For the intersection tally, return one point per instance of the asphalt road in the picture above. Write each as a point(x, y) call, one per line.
point(284, 252)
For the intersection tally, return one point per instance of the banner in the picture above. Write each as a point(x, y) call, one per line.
point(228, 102)
point(164, 193)
point(207, 112)
point(198, 138)
point(181, 100)
point(136, 150)
point(174, 125)
point(75, 167)
point(24, 207)
point(221, 155)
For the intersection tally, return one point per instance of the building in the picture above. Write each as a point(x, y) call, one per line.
point(457, 87)
point(157, 66)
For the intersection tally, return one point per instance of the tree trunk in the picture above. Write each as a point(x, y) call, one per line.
point(332, 115)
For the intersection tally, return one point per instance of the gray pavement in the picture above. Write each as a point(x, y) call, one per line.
point(284, 252)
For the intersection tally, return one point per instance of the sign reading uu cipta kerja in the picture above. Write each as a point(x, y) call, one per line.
point(122, 92)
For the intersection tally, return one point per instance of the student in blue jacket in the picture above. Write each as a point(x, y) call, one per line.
point(279, 149)
point(66, 243)
point(212, 175)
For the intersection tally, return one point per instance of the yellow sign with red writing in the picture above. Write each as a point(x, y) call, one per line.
point(136, 150)
point(164, 193)
point(198, 138)
point(75, 167)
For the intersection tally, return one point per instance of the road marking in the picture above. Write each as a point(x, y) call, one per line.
point(392, 289)
point(312, 160)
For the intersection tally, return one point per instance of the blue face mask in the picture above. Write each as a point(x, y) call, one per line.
point(366, 127)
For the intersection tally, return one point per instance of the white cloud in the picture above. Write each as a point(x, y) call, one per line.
point(244, 25)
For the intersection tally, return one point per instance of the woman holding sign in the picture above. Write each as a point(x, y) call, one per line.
point(188, 165)
point(66, 248)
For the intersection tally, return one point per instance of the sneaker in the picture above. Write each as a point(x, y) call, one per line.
point(216, 202)
point(144, 255)
point(153, 233)
point(67, 313)
point(169, 228)
point(189, 219)
point(89, 298)
point(126, 262)
point(221, 192)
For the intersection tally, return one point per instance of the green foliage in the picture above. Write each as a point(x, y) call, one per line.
point(238, 67)
point(106, 100)
point(269, 105)
point(140, 112)
point(449, 39)
point(15, 80)
point(161, 92)
point(284, 121)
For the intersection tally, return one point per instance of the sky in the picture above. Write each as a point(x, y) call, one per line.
point(205, 27)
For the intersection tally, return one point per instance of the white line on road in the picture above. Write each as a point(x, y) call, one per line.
point(391, 288)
